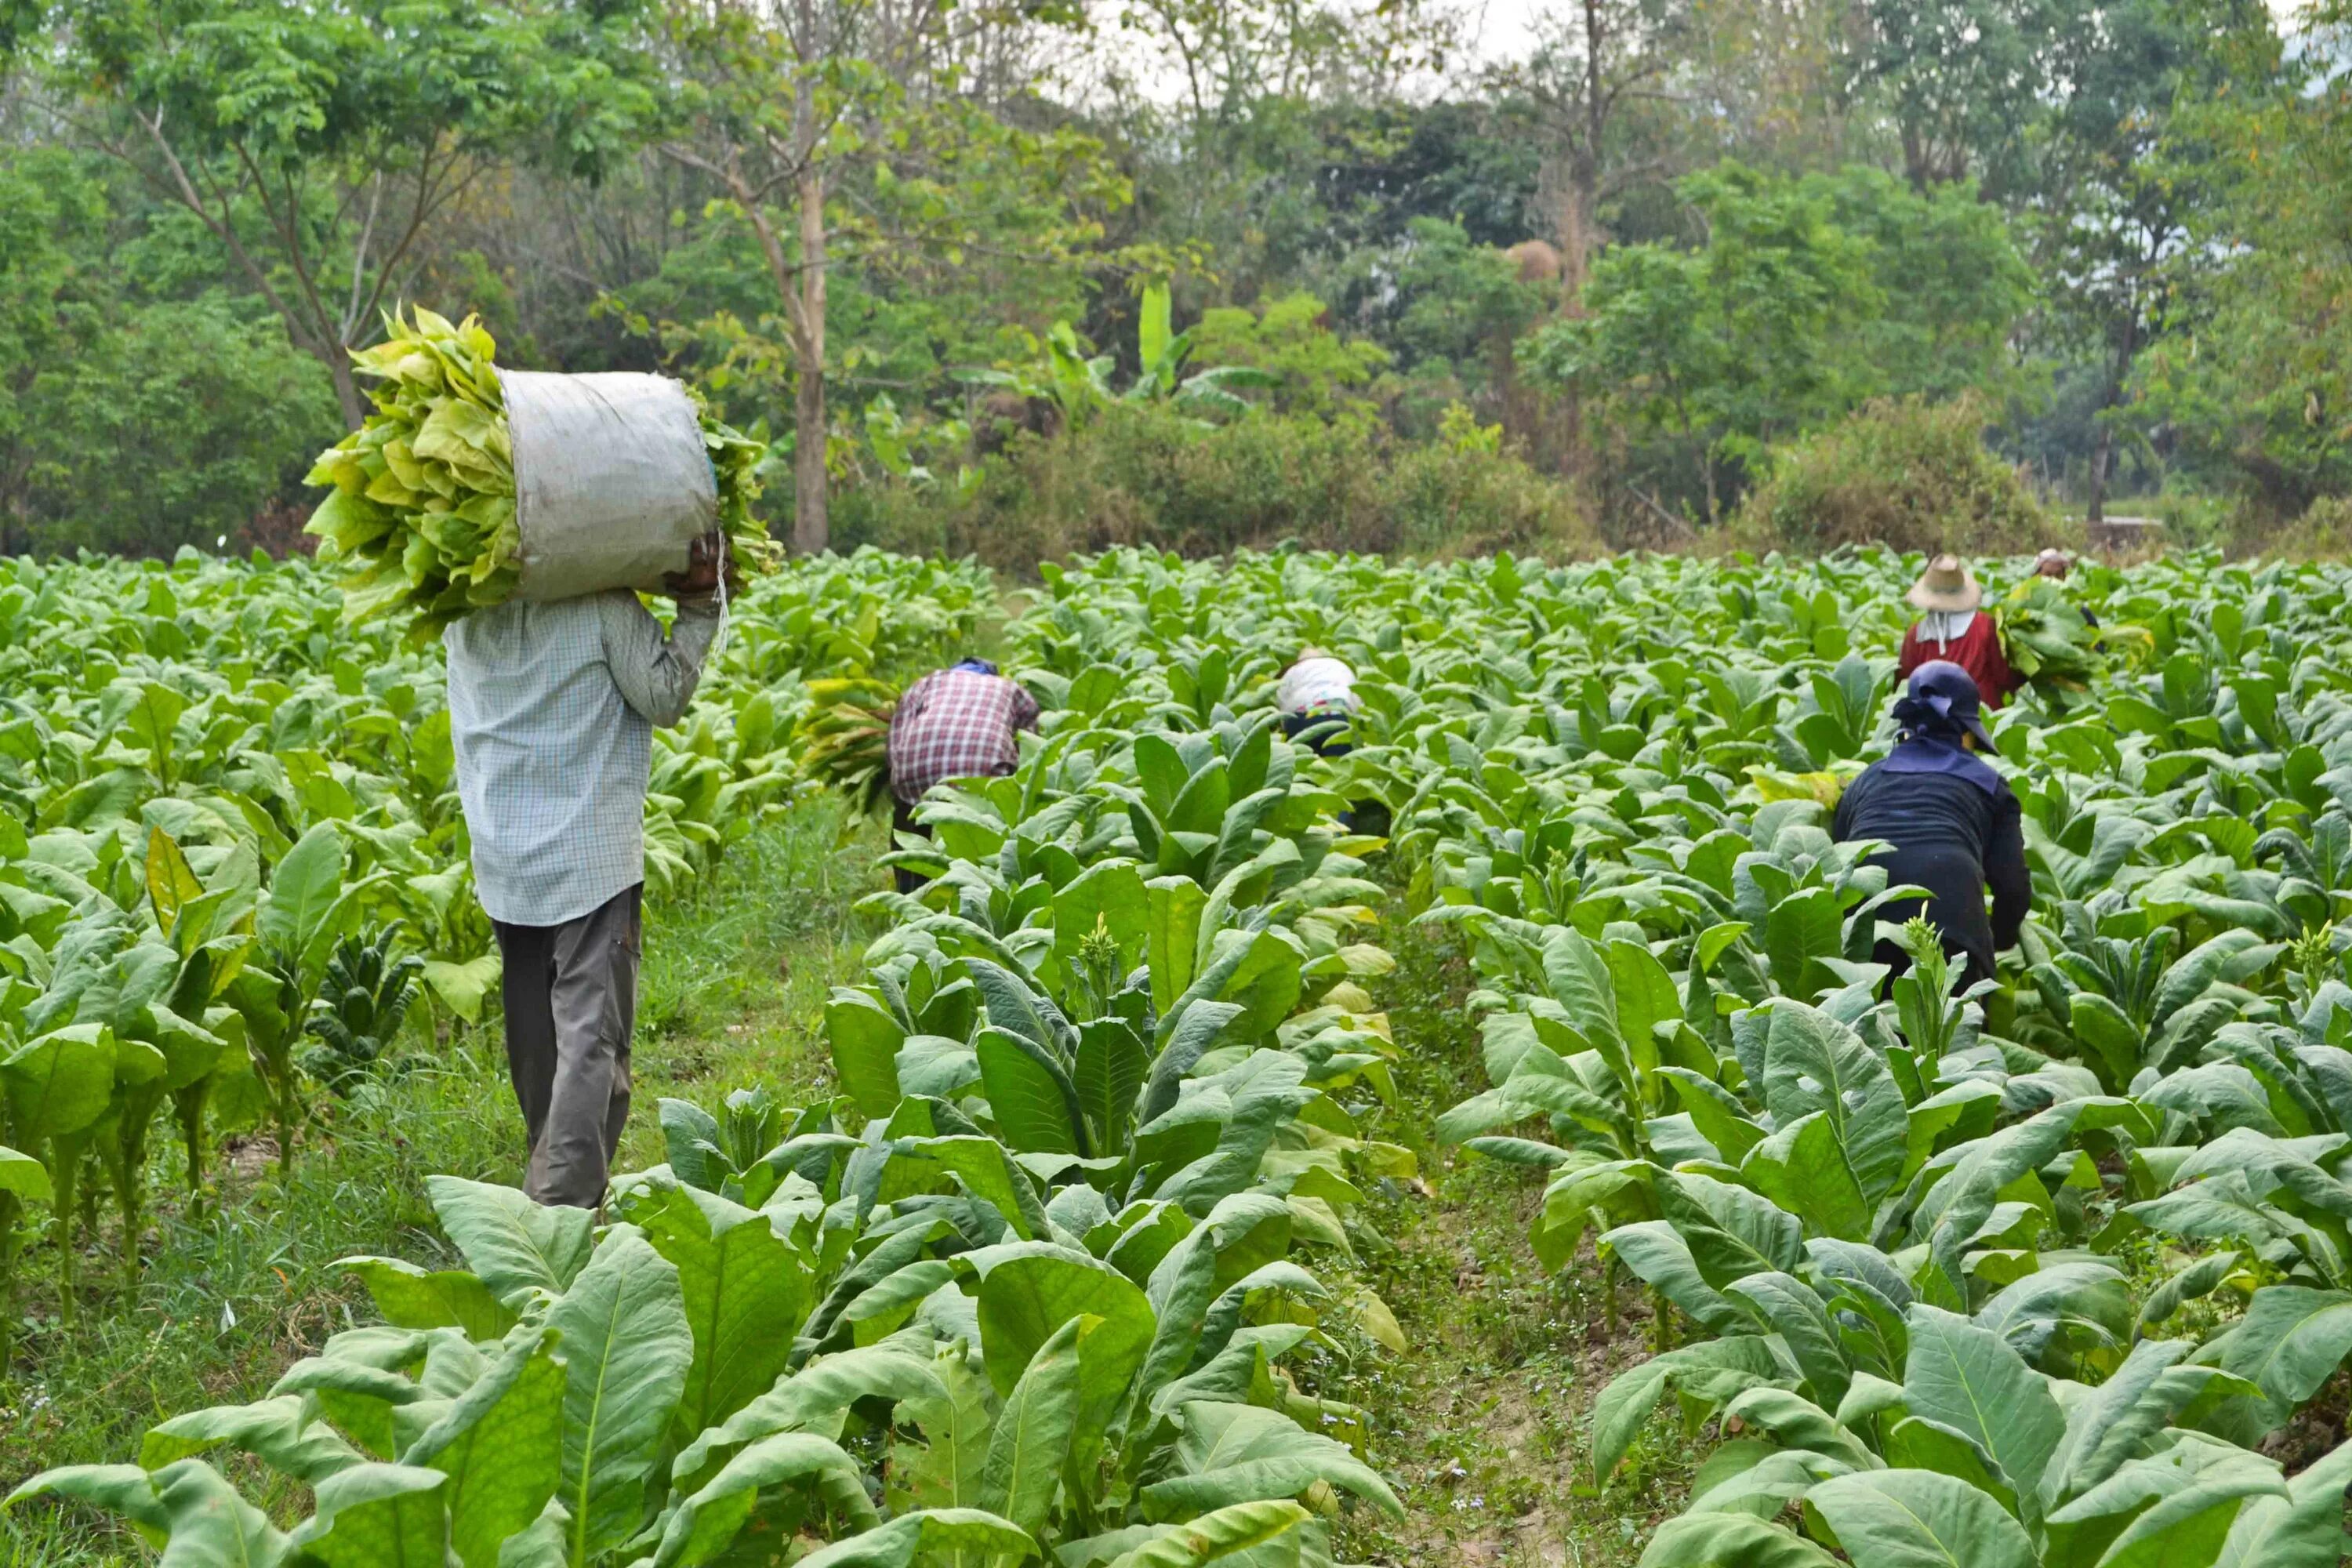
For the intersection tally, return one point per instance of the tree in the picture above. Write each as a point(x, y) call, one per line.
point(1964, 81)
point(1246, 124)
point(2125, 177)
point(131, 423)
point(52, 225)
point(1808, 298)
point(2253, 375)
point(317, 142)
point(1595, 66)
point(871, 156)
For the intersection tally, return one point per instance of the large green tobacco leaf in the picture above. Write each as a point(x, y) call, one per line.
point(1035, 1105)
point(746, 1291)
point(866, 1041)
point(708, 1522)
point(1659, 1257)
point(1731, 1232)
point(1261, 1093)
point(2303, 1529)
point(1579, 974)
point(1175, 908)
point(60, 1082)
point(501, 1445)
point(2291, 1340)
point(1729, 1540)
point(378, 1516)
point(1238, 1532)
point(1240, 1453)
point(955, 1422)
point(2174, 1506)
point(2106, 1426)
point(514, 1245)
point(627, 1350)
point(1801, 1168)
point(923, 1537)
point(1718, 1369)
point(1035, 1430)
point(409, 1297)
point(1968, 1380)
point(1110, 1072)
point(984, 1166)
point(1917, 1518)
point(1014, 1004)
point(303, 893)
point(284, 1433)
point(1029, 1294)
point(1814, 1064)
point(900, 1368)
point(207, 1523)
point(1789, 1307)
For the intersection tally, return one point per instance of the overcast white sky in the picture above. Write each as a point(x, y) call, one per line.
point(1495, 31)
point(1505, 27)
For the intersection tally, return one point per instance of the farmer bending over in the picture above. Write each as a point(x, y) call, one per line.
point(1317, 697)
point(2054, 564)
point(1956, 630)
point(954, 723)
point(551, 713)
point(1954, 824)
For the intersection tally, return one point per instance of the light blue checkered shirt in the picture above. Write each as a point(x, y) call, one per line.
point(551, 711)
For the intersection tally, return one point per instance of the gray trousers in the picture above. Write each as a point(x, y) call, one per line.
point(571, 994)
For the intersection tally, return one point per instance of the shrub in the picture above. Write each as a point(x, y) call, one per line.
point(1911, 475)
point(2324, 532)
point(1144, 475)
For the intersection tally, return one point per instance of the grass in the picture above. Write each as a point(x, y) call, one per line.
point(731, 995)
point(1481, 1424)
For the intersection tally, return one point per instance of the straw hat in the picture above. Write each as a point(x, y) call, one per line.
point(1946, 585)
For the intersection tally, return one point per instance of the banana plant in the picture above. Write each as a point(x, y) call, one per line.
point(1080, 385)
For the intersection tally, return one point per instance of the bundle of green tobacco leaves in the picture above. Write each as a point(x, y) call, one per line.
point(2044, 636)
point(423, 512)
point(846, 737)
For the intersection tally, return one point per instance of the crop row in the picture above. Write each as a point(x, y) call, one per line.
point(1026, 1285)
point(2043, 1267)
point(229, 836)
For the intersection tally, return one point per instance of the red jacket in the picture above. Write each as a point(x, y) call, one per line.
point(1976, 650)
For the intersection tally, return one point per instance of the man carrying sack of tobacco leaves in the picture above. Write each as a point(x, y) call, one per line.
point(553, 708)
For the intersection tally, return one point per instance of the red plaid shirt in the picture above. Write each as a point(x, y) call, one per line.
point(955, 724)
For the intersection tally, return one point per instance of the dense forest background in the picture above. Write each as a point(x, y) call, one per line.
point(1025, 277)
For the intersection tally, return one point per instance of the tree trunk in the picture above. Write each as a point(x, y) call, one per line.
point(812, 521)
point(2103, 445)
point(2094, 509)
point(1577, 223)
point(347, 387)
point(811, 529)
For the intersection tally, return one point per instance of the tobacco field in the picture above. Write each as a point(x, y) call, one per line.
point(1072, 1234)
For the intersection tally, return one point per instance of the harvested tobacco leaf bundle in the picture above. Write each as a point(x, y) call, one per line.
point(846, 737)
point(2048, 640)
point(423, 512)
